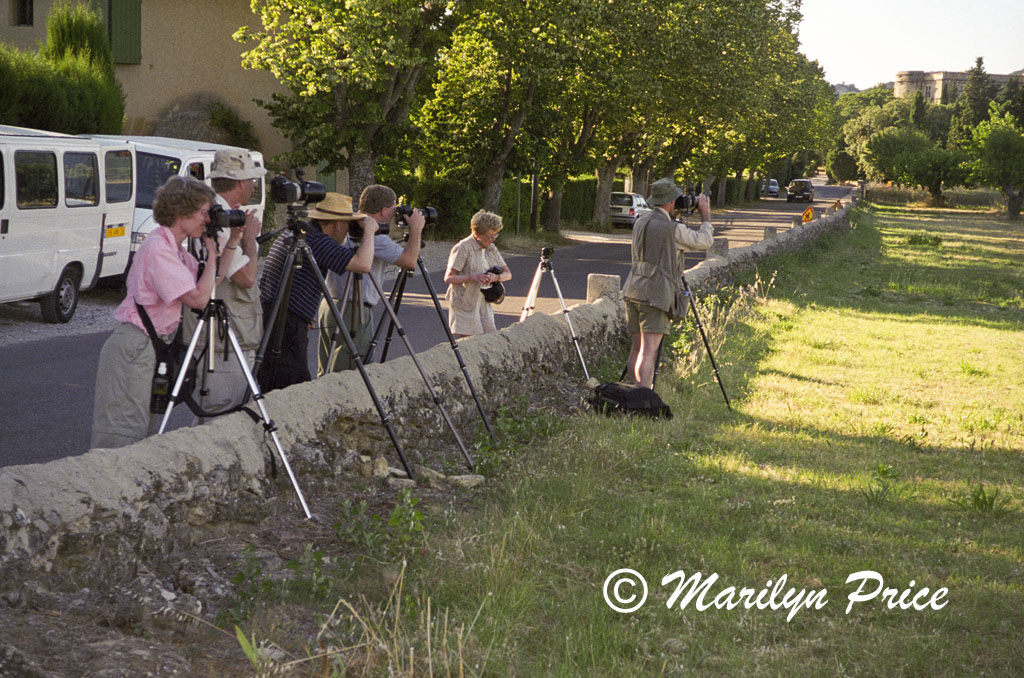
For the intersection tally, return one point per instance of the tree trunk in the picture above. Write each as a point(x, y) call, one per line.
point(641, 177)
point(361, 172)
point(605, 182)
point(493, 177)
point(1014, 200)
point(554, 210)
point(722, 183)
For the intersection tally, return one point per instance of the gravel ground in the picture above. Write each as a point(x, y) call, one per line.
point(22, 322)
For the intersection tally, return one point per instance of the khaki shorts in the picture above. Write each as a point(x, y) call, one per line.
point(646, 319)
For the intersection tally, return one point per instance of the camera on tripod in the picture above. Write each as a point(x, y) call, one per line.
point(284, 191)
point(223, 218)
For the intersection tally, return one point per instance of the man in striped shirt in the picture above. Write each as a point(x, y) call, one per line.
point(325, 234)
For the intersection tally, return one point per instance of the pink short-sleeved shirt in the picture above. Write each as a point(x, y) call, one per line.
point(161, 272)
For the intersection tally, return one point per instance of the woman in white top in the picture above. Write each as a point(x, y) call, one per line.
point(469, 268)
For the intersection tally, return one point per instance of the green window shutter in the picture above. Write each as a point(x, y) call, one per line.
point(125, 22)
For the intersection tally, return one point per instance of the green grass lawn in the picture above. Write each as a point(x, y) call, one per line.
point(878, 426)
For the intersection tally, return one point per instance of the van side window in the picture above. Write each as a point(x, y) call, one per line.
point(195, 169)
point(257, 192)
point(154, 171)
point(3, 174)
point(35, 179)
point(118, 179)
point(81, 188)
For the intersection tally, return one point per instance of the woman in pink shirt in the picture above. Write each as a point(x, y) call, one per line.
point(162, 278)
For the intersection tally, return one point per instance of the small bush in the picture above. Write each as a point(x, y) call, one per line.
point(69, 86)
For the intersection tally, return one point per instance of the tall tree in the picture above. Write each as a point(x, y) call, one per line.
point(971, 106)
point(998, 151)
point(504, 57)
point(351, 69)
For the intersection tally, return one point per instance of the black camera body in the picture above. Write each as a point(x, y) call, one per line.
point(221, 218)
point(403, 212)
point(284, 191)
point(355, 229)
point(495, 292)
point(686, 203)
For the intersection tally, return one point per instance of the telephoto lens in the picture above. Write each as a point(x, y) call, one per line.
point(403, 212)
point(222, 218)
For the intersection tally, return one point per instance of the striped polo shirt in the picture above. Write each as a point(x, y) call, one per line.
point(305, 293)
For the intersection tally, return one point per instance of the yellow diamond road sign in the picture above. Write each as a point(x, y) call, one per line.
point(808, 214)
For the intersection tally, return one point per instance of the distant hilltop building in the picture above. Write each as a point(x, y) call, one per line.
point(842, 88)
point(940, 86)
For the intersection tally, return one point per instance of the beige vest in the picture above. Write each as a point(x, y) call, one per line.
point(656, 276)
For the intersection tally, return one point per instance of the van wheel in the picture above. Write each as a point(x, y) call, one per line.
point(58, 306)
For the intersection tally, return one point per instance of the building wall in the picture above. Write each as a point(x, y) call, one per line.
point(931, 84)
point(187, 49)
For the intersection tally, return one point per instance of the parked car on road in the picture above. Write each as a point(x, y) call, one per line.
point(771, 188)
point(626, 207)
point(800, 189)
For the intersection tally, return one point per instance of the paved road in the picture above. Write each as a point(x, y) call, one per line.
point(46, 384)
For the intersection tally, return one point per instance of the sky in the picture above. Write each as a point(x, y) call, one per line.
point(866, 42)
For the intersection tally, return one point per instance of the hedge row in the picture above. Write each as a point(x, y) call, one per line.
point(70, 95)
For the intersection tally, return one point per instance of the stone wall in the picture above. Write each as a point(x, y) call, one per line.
point(106, 509)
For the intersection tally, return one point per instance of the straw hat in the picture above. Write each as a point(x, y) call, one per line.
point(333, 207)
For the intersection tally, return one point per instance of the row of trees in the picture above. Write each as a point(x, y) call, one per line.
point(976, 141)
point(462, 93)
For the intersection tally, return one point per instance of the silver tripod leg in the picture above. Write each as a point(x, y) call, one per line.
point(173, 400)
point(268, 425)
point(257, 397)
point(572, 330)
point(531, 296)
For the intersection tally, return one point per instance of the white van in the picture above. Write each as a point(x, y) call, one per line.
point(158, 159)
point(66, 209)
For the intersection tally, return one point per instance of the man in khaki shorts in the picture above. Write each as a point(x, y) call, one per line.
point(654, 286)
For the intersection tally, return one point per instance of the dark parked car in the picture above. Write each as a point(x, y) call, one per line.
point(625, 208)
point(800, 189)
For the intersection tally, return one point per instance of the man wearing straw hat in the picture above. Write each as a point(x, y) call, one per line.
point(328, 227)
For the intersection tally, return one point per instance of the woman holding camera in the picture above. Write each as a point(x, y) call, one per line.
point(162, 277)
point(471, 266)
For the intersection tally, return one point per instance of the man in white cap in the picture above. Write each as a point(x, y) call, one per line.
point(653, 289)
point(233, 175)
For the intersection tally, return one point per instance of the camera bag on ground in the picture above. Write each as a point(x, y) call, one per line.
point(169, 359)
point(621, 398)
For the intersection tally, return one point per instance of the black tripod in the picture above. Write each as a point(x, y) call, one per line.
point(700, 326)
point(531, 300)
point(692, 303)
point(395, 299)
point(215, 317)
point(299, 254)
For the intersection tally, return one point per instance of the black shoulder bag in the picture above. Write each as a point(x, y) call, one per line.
point(169, 360)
